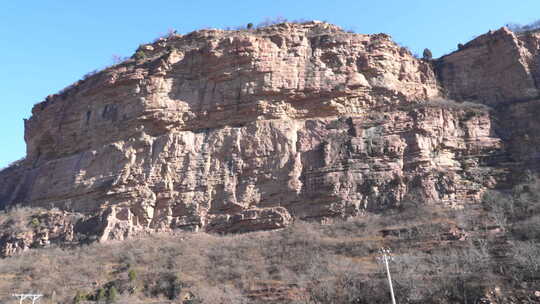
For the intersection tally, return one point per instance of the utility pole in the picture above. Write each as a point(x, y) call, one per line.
point(384, 258)
point(24, 296)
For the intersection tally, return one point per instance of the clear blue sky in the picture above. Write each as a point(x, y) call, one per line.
point(47, 44)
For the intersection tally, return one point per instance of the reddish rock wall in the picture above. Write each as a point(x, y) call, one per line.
point(248, 130)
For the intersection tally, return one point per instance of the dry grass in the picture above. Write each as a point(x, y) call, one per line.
point(457, 105)
point(17, 220)
point(165, 265)
point(304, 263)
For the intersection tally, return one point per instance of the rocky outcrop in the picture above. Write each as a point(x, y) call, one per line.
point(232, 131)
point(43, 228)
point(501, 69)
point(495, 68)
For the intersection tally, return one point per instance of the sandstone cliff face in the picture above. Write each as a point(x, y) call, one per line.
point(501, 69)
point(238, 131)
point(498, 67)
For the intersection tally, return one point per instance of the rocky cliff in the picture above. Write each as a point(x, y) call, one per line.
point(232, 131)
point(501, 69)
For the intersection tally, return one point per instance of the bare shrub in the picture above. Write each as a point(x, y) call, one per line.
point(89, 74)
point(526, 256)
point(518, 28)
point(220, 294)
point(528, 229)
point(17, 219)
point(443, 276)
point(517, 211)
point(320, 263)
point(340, 282)
point(271, 21)
point(164, 36)
point(117, 59)
point(458, 105)
point(14, 164)
point(427, 55)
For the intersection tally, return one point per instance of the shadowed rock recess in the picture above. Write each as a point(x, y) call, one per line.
point(234, 131)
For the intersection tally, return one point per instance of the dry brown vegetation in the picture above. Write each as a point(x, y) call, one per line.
point(18, 219)
point(306, 262)
point(531, 27)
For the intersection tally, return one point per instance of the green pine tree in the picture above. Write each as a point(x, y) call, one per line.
point(111, 296)
point(101, 295)
point(79, 297)
point(132, 275)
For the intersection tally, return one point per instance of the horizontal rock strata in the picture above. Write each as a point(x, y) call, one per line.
point(234, 131)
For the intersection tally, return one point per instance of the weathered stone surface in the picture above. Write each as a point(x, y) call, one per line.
point(520, 129)
point(497, 67)
point(502, 69)
point(239, 131)
point(51, 227)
